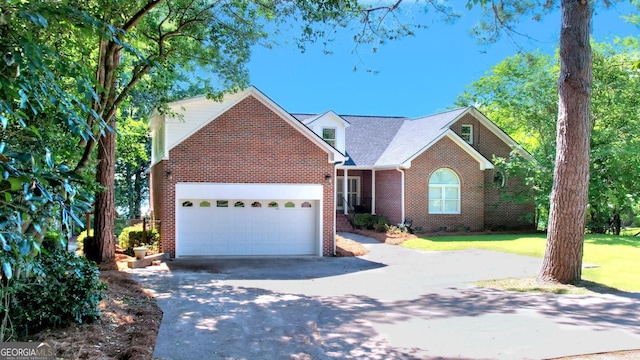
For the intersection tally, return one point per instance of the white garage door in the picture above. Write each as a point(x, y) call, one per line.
point(244, 225)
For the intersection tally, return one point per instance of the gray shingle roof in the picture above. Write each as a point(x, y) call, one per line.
point(415, 135)
point(390, 141)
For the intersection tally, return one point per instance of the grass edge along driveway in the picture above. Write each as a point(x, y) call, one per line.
point(613, 261)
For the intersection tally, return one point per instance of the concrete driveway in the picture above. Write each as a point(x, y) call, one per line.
point(393, 303)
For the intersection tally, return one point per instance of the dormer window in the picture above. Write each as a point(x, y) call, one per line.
point(466, 132)
point(329, 135)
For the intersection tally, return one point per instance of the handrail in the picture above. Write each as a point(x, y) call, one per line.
point(351, 212)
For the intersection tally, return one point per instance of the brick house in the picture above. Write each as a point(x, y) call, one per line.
point(245, 177)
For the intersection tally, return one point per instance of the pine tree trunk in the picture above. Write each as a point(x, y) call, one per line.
point(569, 196)
point(104, 226)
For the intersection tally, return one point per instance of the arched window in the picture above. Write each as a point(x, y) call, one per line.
point(289, 204)
point(205, 204)
point(256, 204)
point(444, 192)
point(238, 204)
point(305, 205)
point(187, 204)
point(273, 204)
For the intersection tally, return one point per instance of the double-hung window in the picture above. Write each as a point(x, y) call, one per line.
point(466, 132)
point(329, 135)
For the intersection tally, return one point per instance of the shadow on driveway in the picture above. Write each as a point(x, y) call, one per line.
point(212, 320)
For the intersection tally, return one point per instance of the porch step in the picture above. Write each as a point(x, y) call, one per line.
point(342, 224)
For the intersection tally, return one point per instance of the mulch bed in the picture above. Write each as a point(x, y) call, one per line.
point(127, 330)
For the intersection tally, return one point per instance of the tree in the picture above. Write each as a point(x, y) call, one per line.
point(148, 40)
point(133, 146)
point(517, 94)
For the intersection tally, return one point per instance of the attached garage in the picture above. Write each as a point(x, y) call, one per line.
point(216, 219)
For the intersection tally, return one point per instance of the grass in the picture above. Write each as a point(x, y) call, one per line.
point(610, 261)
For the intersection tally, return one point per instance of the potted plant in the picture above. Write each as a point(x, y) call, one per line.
point(140, 252)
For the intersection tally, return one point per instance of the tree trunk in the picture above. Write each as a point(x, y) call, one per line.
point(104, 226)
point(563, 255)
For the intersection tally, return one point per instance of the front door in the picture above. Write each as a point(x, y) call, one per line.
point(353, 191)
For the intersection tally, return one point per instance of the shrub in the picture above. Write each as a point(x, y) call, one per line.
point(131, 237)
point(62, 288)
point(369, 221)
point(395, 230)
point(364, 221)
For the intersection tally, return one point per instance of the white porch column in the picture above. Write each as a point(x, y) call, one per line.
point(345, 193)
point(373, 192)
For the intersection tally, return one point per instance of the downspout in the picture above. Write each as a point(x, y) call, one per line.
point(335, 203)
point(401, 194)
point(373, 191)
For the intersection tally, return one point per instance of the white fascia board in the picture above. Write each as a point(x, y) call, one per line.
point(331, 114)
point(404, 166)
point(497, 131)
point(333, 155)
point(355, 167)
point(484, 163)
point(408, 161)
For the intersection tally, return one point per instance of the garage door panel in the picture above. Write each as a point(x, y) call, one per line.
point(288, 229)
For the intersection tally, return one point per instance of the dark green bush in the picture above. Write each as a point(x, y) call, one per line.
point(131, 237)
point(64, 287)
point(369, 221)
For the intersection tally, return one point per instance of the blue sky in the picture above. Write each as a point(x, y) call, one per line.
point(414, 76)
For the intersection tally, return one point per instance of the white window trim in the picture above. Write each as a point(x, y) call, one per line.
point(333, 142)
point(442, 188)
point(462, 134)
point(339, 191)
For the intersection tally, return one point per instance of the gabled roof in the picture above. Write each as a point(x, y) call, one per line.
point(382, 142)
point(310, 120)
point(415, 136)
point(214, 109)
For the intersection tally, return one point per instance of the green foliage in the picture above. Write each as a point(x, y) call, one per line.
point(519, 95)
point(371, 222)
point(396, 230)
point(133, 147)
point(61, 288)
point(131, 237)
point(120, 224)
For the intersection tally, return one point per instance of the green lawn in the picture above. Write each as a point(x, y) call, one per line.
point(617, 257)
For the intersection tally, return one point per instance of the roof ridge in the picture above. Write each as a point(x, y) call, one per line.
point(444, 112)
point(351, 115)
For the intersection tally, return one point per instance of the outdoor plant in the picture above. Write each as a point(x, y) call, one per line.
point(131, 237)
point(371, 222)
point(62, 287)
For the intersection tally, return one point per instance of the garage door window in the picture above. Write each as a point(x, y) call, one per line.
point(256, 204)
point(289, 204)
point(238, 204)
point(187, 204)
point(273, 204)
point(222, 203)
point(305, 205)
point(205, 204)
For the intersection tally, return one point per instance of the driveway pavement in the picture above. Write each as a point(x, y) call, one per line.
point(393, 303)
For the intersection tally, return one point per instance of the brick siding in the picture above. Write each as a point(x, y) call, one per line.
point(445, 154)
point(501, 211)
point(388, 194)
point(247, 144)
